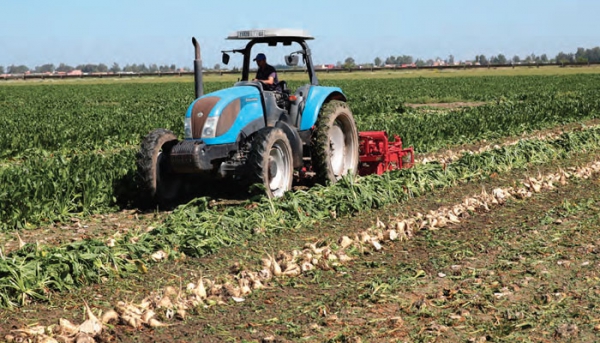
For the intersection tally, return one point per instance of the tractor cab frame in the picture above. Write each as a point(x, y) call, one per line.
point(272, 37)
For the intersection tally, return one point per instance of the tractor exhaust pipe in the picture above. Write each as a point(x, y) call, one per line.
point(199, 85)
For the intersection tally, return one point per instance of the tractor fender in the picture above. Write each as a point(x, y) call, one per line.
point(295, 142)
point(251, 128)
point(317, 96)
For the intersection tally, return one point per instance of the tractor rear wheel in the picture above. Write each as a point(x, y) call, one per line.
point(271, 162)
point(159, 185)
point(334, 146)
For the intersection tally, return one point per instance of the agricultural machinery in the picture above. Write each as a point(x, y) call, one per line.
point(254, 135)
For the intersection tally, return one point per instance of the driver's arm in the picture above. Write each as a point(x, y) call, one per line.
point(269, 81)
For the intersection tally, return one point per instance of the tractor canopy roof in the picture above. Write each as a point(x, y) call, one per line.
point(275, 34)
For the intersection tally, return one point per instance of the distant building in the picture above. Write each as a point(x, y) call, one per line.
point(327, 66)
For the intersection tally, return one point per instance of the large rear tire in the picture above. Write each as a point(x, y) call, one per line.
point(158, 184)
point(271, 161)
point(334, 148)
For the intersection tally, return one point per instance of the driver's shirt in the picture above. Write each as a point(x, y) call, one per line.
point(264, 74)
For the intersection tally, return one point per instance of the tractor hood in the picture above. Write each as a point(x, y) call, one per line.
point(219, 117)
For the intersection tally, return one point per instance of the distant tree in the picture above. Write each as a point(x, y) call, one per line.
point(580, 54)
point(501, 59)
point(102, 68)
point(586, 55)
point(516, 59)
point(565, 58)
point(419, 62)
point(429, 62)
point(533, 57)
point(164, 69)
point(173, 67)
point(64, 68)
point(13, 69)
point(88, 68)
point(528, 59)
point(450, 60)
point(115, 68)
point(391, 60)
point(377, 62)
point(45, 68)
point(349, 63)
point(483, 60)
point(153, 68)
point(477, 59)
point(544, 58)
point(217, 67)
point(594, 54)
point(404, 59)
point(1, 69)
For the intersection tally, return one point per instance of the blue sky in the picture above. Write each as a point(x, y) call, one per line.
point(34, 32)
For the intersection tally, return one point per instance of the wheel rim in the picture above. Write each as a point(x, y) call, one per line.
point(279, 166)
point(342, 147)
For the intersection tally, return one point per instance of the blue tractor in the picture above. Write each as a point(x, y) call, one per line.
point(254, 135)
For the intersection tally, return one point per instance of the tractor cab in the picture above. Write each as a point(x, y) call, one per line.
point(282, 103)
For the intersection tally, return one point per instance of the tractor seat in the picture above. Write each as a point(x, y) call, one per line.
point(284, 100)
point(284, 88)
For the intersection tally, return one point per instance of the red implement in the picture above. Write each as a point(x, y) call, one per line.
point(378, 155)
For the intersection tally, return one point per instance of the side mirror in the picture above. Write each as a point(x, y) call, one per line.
point(225, 58)
point(291, 60)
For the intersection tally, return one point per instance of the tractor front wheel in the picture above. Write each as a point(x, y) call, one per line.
point(270, 161)
point(334, 148)
point(158, 184)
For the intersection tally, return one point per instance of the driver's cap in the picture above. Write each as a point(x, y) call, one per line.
point(260, 57)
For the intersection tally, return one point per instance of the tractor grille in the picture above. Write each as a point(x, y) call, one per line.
point(200, 112)
point(228, 116)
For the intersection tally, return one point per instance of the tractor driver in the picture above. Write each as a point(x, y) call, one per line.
point(266, 74)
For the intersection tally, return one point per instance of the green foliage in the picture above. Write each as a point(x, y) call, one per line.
point(197, 230)
point(53, 186)
point(69, 149)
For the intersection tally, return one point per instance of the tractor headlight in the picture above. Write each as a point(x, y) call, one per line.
point(210, 127)
point(187, 128)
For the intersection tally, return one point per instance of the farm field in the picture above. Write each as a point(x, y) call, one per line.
point(518, 267)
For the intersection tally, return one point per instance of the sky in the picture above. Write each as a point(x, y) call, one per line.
point(36, 32)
